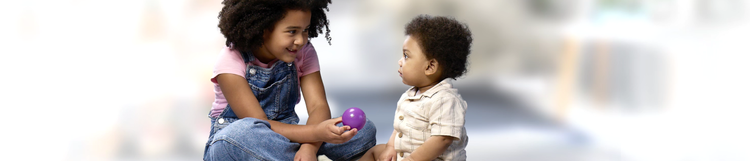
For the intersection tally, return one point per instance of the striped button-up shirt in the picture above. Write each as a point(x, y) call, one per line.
point(438, 111)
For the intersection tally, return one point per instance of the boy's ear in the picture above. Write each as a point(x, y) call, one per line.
point(432, 67)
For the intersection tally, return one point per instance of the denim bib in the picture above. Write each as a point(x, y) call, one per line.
point(276, 88)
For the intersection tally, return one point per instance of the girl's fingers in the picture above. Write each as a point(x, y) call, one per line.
point(335, 129)
point(338, 120)
point(349, 134)
point(339, 134)
point(343, 137)
point(339, 130)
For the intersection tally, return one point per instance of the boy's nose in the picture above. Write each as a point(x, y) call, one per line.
point(400, 61)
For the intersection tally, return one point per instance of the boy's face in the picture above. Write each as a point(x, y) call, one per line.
point(286, 38)
point(413, 64)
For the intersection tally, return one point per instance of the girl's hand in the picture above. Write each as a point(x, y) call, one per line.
point(327, 131)
point(388, 155)
point(305, 154)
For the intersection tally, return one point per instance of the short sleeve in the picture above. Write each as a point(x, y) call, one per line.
point(309, 60)
point(230, 62)
point(446, 116)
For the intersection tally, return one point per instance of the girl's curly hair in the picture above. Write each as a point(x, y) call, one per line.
point(444, 39)
point(243, 22)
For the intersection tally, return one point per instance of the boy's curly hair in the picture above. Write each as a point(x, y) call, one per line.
point(444, 39)
point(243, 22)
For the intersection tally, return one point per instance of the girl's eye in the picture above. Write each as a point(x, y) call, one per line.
point(405, 56)
point(292, 31)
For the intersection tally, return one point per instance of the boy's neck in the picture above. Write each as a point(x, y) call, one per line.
point(427, 87)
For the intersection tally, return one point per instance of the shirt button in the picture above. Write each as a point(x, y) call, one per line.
point(221, 120)
point(401, 154)
point(401, 117)
point(290, 64)
point(400, 134)
point(252, 71)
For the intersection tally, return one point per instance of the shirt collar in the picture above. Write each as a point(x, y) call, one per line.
point(444, 84)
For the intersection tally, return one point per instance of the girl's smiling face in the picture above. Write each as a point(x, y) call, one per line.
point(286, 37)
point(413, 64)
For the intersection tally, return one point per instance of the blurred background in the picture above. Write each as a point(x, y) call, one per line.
point(593, 80)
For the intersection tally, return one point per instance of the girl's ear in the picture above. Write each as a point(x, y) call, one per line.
point(432, 67)
point(266, 34)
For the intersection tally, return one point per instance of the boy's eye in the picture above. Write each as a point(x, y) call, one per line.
point(292, 31)
point(405, 56)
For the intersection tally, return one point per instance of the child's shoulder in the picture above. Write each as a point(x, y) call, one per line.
point(307, 60)
point(229, 61)
point(229, 53)
point(445, 89)
point(446, 93)
point(306, 51)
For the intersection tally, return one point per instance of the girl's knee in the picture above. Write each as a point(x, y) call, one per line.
point(218, 150)
point(254, 122)
point(247, 131)
point(248, 124)
point(231, 150)
point(369, 130)
point(366, 136)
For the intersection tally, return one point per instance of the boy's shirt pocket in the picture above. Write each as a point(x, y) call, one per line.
point(411, 122)
point(415, 117)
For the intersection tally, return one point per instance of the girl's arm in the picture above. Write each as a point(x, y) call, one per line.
point(317, 105)
point(243, 102)
point(432, 148)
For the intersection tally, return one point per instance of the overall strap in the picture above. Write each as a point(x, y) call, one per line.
point(247, 57)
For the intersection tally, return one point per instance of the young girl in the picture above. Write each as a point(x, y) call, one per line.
point(429, 121)
point(257, 83)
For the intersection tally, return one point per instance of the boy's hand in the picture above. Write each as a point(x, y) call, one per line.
point(388, 155)
point(327, 131)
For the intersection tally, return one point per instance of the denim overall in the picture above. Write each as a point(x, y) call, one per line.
point(277, 91)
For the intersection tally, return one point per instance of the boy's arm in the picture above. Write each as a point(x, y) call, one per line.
point(389, 154)
point(432, 148)
point(390, 143)
point(446, 121)
point(244, 104)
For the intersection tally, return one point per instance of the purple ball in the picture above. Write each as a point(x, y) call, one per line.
point(354, 117)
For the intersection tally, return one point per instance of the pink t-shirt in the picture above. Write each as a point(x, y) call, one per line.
point(231, 62)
